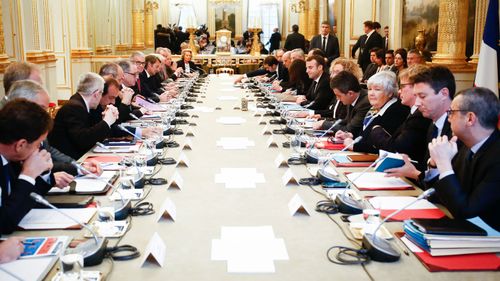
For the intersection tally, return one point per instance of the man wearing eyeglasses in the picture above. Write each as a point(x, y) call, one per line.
point(469, 176)
point(139, 60)
point(434, 89)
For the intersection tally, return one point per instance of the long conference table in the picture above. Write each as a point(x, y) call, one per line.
point(203, 207)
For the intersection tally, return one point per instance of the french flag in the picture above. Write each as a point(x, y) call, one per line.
point(489, 55)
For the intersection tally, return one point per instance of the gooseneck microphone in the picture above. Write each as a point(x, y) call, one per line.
point(121, 127)
point(346, 204)
point(310, 157)
point(123, 211)
point(93, 252)
point(380, 249)
point(323, 175)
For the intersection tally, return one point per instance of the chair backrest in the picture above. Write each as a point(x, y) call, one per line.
point(227, 70)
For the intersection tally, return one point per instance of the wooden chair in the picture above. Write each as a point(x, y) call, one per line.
point(227, 70)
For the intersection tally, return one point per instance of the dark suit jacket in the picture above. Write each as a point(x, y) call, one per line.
point(321, 97)
point(332, 46)
point(371, 69)
point(19, 202)
point(62, 162)
point(375, 40)
point(192, 66)
point(150, 86)
point(392, 118)
point(474, 188)
point(353, 122)
point(274, 41)
point(409, 138)
point(73, 132)
point(295, 41)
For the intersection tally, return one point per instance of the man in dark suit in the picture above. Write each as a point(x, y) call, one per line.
point(270, 67)
point(377, 57)
point(348, 91)
point(434, 88)
point(469, 180)
point(73, 133)
point(319, 95)
point(366, 43)
point(24, 125)
point(409, 137)
point(295, 40)
point(326, 42)
point(62, 170)
point(150, 84)
point(274, 41)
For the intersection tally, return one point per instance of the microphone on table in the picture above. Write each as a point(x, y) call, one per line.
point(310, 157)
point(346, 204)
point(325, 176)
point(122, 212)
point(379, 249)
point(121, 127)
point(93, 252)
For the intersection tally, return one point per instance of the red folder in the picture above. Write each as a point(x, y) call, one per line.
point(472, 262)
point(414, 214)
point(330, 146)
point(105, 158)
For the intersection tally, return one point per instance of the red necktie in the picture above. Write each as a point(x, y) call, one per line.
point(139, 85)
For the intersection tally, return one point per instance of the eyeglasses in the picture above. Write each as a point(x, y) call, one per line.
point(139, 62)
point(451, 111)
point(402, 85)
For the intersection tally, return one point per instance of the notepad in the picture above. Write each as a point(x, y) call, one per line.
point(377, 181)
point(52, 219)
point(89, 184)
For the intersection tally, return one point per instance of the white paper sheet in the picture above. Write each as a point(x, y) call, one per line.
point(239, 177)
point(231, 120)
point(234, 143)
point(228, 98)
point(51, 219)
point(397, 202)
point(377, 180)
point(249, 249)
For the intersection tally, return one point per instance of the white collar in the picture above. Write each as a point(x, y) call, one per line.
point(369, 34)
point(86, 103)
point(413, 109)
point(356, 100)
point(4, 160)
point(147, 73)
point(386, 106)
point(440, 122)
point(478, 145)
point(317, 79)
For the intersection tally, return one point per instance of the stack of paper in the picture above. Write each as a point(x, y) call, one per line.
point(118, 149)
point(89, 184)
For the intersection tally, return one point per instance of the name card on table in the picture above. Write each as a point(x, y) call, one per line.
point(297, 206)
point(188, 145)
point(271, 143)
point(266, 130)
point(155, 251)
point(281, 162)
point(289, 178)
point(167, 211)
point(190, 132)
point(261, 121)
point(176, 181)
point(183, 161)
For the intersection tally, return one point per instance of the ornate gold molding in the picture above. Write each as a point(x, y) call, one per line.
point(81, 53)
point(122, 47)
point(137, 28)
point(103, 49)
point(40, 57)
point(4, 62)
point(452, 32)
point(479, 22)
point(313, 19)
